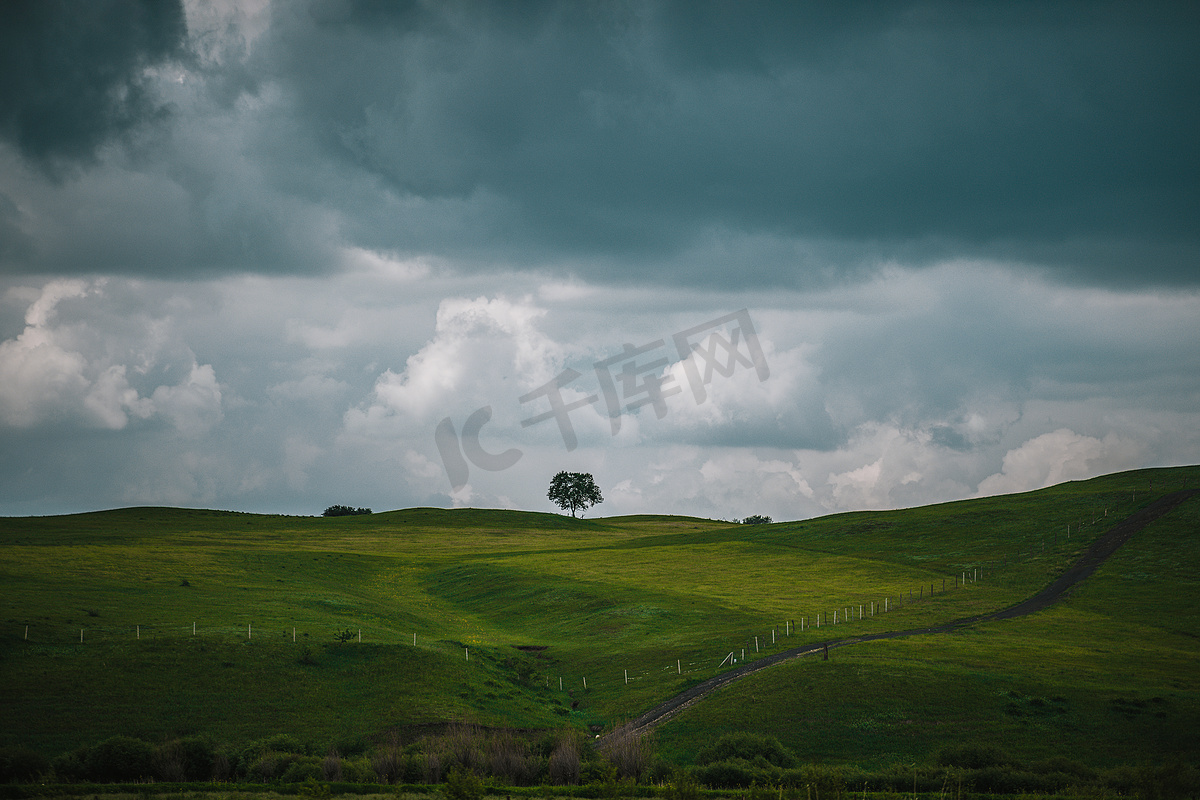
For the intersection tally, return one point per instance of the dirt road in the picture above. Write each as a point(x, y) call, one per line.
point(1096, 554)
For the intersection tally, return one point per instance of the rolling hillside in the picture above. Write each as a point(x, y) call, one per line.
point(167, 622)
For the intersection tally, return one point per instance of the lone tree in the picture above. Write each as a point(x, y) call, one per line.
point(574, 490)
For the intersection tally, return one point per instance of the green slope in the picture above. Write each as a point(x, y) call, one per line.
point(1109, 676)
point(639, 607)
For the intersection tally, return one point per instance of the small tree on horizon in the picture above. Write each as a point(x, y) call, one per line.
point(344, 511)
point(574, 490)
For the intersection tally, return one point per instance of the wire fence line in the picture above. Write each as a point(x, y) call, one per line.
point(772, 642)
point(851, 613)
point(769, 639)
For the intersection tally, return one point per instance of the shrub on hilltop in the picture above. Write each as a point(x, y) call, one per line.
point(344, 511)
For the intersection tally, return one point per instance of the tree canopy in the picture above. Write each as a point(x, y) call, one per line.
point(574, 491)
point(344, 511)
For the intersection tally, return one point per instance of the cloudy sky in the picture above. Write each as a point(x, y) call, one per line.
point(730, 258)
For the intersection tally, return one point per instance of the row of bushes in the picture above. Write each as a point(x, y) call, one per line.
point(344, 511)
point(1172, 781)
point(560, 758)
point(740, 761)
point(462, 756)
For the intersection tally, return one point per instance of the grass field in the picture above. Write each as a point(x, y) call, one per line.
point(506, 604)
point(1110, 676)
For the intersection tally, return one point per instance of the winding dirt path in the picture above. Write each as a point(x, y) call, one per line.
point(1095, 555)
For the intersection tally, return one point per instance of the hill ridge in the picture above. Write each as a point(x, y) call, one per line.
point(1084, 566)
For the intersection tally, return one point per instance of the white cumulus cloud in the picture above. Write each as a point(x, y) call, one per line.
point(194, 405)
point(1061, 455)
point(69, 373)
point(477, 344)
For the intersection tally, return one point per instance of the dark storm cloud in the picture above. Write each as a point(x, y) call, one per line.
point(71, 73)
point(719, 145)
point(623, 135)
point(805, 429)
point(14, 244)
point(948, 339)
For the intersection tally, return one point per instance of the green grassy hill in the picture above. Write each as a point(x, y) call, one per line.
point(223, 624)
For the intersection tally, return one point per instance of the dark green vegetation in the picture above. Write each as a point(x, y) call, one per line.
point(505, 604)
point(344, 511)
point(574, 491)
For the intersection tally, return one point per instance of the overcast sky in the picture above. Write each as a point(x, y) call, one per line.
point(730, 258)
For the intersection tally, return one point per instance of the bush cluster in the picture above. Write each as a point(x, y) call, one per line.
point(467, 759)
point(749, 761)
point(468, 753)
point(124, 759)
point(344, 511)
point(21, 764)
